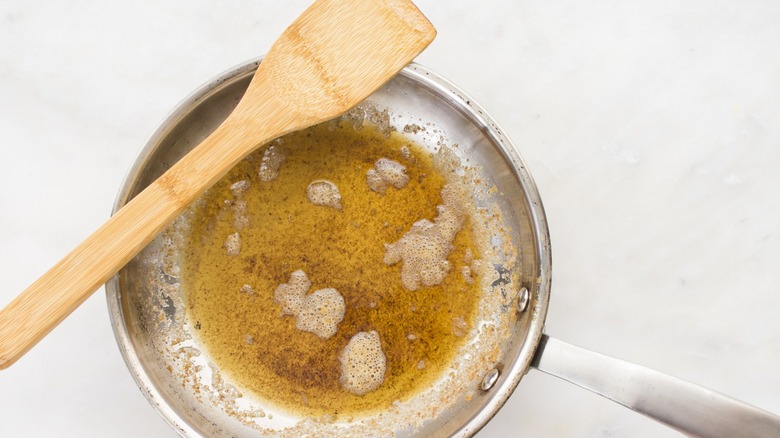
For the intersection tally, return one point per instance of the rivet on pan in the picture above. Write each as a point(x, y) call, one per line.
point(490, 379)
point(523, 298)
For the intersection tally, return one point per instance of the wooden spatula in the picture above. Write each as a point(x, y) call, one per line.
point(332, 57)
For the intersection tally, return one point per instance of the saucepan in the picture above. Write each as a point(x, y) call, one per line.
point(147, 300)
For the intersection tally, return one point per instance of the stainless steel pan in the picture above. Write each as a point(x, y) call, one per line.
point(146, 300)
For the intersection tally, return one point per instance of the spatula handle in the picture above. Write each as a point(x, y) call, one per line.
point(51, 298)
point(45, 303)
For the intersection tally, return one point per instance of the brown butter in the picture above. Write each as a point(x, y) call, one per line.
point(342, 249)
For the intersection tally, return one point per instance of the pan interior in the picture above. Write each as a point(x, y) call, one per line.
point(147, 300)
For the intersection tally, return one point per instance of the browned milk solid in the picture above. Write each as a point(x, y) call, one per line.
point(230, 298)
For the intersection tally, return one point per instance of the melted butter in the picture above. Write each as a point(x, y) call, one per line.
point(341, 249)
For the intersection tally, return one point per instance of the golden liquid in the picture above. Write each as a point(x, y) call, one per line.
point(342, 249)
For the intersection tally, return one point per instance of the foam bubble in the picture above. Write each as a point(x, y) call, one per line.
point(386, 173)
point(321, 313)
point(238, 188)
point(318, 313)
point(468, 256)
point(459, 326)
point(240, 217)
point(233, 244)
point(425, 247)
point(471, 266)
point(325, 193)
point(273, 157)
point(290, 295)
point(363, 363)
point(465, 272)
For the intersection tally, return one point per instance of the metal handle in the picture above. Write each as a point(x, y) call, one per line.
point(686, 407)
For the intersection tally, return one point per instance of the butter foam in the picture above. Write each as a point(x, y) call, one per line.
point(363, 363)
point(318, 313)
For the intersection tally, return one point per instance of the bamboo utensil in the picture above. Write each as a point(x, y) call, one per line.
point(333, 56)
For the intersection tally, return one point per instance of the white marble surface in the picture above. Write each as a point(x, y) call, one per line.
point(652, 129)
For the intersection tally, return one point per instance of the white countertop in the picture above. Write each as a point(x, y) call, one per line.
point(652, 130)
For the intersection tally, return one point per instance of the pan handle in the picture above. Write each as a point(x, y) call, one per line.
point(688, 408)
